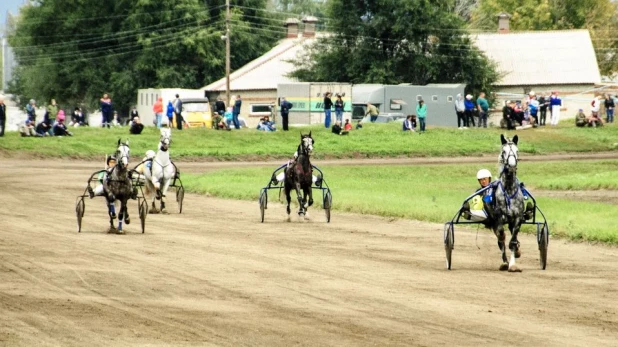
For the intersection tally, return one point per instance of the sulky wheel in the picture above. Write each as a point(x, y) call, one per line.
point(543, 240)
point(143, 212)
point(180, 196)
point(328, 203)
point(449, 242)
point(263, 201)
point(80, 208)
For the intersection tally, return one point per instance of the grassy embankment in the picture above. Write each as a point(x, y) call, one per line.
point(375, 140)
point(435, 192)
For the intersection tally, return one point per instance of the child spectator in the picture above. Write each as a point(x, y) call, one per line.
point(116, 120)
point(359, 125)
point(347, 126)
point(170, 114)
point(229, 117)
point(60, 129)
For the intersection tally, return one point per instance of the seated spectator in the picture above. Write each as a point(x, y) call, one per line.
point(347, 126)
point(136, 126)
point(410, 123)
point(27, 128)
point(359, 125)
point(116, 120)
point(44, 128)
point(580, 119)
point(60, 129)
point(336, 129)
point(268, 125)
point(260, 125)
point(218, 122)
point(595, 120)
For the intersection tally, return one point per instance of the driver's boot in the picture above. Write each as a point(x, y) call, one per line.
point(465, 211)
point(529, 212)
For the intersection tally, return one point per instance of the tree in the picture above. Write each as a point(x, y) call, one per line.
point(392, 42)
point(598, 16)
point(76, 53)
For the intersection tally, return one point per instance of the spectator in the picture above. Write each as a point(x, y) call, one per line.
point(483, 107)
point(116, 120)
point(580, 119)
point(285, 112)
point(518, 113)
point(339, 104)
point(460, 109)
point(469, 105)
point(595, 120)
point(132, 115)
point(421, 113)
point(106, 111)
point(373, 112)
point(609, 108)
point(170, 114)
point(178, 112)
point(555, 103)
point(236, 111)
point(359, 125)
point(60, 129)
point(533, 108)
point(2, 115)
point(31, 110)
point(336, 129)
point(507, 114)
point(157, 109)
point(220, 106)
point(75, 117)
point(52, 111)
point(218, 122)
point(229, 118)
point(328, 104)
point(410, 123)
point(347, 126)
point(136, 126)
point(543, 104)
point(268, 124)
point(45, 127)
point(27, 128)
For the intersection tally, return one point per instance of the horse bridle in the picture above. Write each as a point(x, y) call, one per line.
point(124, 155)
point(511, 153)
point(304, 147)
point(165, 146)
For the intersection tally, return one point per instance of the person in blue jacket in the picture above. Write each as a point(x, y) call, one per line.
point(470, 106)
point(170, 114)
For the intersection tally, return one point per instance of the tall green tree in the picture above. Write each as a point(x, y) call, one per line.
point(75, 50)
point(396, 41)
point(599, 16)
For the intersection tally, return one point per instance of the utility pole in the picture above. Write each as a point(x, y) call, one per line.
point(227, 51)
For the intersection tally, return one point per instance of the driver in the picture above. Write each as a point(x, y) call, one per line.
point(474, 209)
point(281, 176)
point(146, 164)
point(109, 165)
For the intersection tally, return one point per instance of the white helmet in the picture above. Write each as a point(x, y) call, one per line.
point(150, 154)
point(483, 173)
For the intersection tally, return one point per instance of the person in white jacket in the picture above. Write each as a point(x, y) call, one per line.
point(460, 108)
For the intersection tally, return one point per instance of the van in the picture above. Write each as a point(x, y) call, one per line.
point(196, 112)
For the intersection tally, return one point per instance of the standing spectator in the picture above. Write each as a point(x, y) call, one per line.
point(178, 112)
point(236, 111)
point(469, 104)
point(339, 108)
point(483, 107)
point(60, 129)
point(347, 126)
point(543, 104)
point(106, 111)
point(533, 108)
point(595, 106)
point(170, 114)
point(328, 104)
point(285, 113)
point(460, 109)
point(421, 113)
point(555, 103)
point(31, 110)
point(373, 112)
point(132, 115)
point(220, 106)
point(2, 115)
point(229, 117)
point(609, 108)
point(157, 109)
point(136, 126)
point(52, 111)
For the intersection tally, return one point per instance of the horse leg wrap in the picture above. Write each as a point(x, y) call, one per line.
point(112, 210)
point(514, 245)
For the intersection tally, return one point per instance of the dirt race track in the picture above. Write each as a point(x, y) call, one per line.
point(216, 276)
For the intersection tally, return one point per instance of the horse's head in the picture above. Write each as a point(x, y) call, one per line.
point(122, 154)
point(306, 144)
point(166, 139)
point(509, 155)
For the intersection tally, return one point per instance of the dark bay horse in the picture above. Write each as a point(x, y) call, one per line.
point(508, 205)
point(298, 176)
point(118, 187)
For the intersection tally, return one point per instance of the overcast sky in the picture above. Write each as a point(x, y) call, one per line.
point(8, 5)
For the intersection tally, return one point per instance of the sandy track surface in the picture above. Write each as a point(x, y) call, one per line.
point(216, 276)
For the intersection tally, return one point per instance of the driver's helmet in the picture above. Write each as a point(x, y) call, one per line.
point(483, 173)
point(109, 159)
point(150, 154)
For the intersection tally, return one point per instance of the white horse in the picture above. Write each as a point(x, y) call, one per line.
point(161, 173)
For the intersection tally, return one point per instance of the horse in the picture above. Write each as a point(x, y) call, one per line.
point(298, 176)
point(508, 205)
point(118, 187)
point(161, 173)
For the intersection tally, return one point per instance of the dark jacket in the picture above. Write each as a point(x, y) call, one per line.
point(339, 104)
point(328, 103)
point(61, 130)
point(133, 114)
point(136, 128)
point(237, 105)
point(609, 103)
point(336, 129)
point(220, 107)
point(285, 107)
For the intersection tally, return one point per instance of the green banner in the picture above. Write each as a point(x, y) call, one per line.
point(317, 105)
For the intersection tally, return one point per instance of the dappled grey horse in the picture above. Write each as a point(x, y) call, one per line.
point(508, 205)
